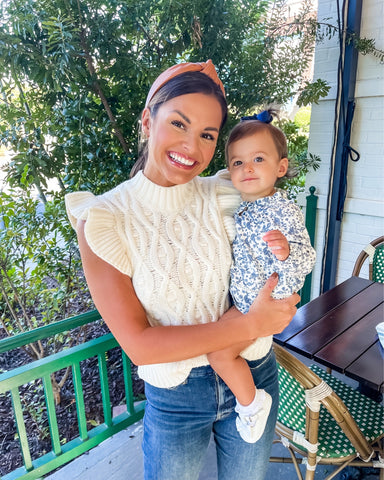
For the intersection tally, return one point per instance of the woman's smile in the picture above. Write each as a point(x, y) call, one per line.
point(181, 159)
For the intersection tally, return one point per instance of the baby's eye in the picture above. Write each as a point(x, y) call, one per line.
point(258, 159)
point(237, 163)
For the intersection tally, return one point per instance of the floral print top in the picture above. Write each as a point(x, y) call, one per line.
point(253, 263)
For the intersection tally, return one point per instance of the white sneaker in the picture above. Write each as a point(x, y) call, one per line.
point(251, 427)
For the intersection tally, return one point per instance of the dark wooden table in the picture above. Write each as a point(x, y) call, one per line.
point(337, 330)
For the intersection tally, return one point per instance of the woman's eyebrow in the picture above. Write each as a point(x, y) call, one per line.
point(189, 121)
point(183, 116)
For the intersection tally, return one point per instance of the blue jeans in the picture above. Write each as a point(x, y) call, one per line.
point(178, 423)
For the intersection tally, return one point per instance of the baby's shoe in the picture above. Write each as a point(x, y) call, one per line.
point(251, 425)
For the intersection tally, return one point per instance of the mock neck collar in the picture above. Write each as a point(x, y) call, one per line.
point(159, 197)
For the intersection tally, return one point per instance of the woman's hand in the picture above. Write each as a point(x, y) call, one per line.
point(267, 315)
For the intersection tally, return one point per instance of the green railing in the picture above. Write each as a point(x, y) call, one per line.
point(310, 223)
point(11, 381)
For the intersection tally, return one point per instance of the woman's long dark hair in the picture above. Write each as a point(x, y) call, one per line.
point(184, 84)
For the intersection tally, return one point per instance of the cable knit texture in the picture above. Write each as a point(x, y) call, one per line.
point(174, 242)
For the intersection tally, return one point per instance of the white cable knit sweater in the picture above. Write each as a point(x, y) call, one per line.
point(174, 242)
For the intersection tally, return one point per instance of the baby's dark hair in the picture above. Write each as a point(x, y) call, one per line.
point(261, 123)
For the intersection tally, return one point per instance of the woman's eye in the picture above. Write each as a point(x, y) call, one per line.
point(208, 136)
point(258, 159)
point(177, 123)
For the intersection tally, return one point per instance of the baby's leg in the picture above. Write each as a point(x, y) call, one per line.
point(235, 372)
point(252, 405)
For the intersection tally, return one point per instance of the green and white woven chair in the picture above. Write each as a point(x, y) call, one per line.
point(325, 421)
point(374, 252)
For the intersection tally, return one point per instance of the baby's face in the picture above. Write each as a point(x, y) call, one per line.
point(254, 165)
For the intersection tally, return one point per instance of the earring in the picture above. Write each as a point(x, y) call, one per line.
point(143, 138)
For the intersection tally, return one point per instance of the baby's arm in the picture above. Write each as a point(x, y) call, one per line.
point(290, 237)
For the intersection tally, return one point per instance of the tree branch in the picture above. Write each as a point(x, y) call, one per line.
point(97, 87)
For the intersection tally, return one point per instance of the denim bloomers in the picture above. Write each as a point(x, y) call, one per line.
point(178, 423)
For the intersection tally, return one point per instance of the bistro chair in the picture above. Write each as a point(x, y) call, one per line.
point(374, 252)
point(325, 421)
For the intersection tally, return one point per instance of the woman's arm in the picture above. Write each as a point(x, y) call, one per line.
point(116, 300)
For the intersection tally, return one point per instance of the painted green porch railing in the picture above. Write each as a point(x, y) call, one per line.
point(11, 381)
point(310, 223)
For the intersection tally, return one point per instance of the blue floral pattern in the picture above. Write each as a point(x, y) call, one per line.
point(253, 262)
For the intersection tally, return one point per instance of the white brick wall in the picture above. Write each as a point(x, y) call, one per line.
point(364, 208)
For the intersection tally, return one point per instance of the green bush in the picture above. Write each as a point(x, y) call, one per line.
point(301, 161)
point(41, 278)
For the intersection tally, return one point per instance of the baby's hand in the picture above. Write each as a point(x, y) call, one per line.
point(277, 243)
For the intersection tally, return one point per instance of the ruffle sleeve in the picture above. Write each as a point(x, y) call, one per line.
point(78, 205)
point(228, 199)
point(103, 229)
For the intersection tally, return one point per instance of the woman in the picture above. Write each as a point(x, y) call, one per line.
point(156, 255)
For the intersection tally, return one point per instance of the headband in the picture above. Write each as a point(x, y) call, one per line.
point(204, 67)
point(264, 117)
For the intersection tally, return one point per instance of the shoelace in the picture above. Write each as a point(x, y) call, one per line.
point(250, 420)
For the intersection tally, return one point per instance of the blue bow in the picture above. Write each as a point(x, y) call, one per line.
point(264, 117)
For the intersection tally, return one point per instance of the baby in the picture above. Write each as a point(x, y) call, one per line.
point(270, 237)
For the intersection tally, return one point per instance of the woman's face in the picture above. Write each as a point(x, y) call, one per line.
point(182, 138)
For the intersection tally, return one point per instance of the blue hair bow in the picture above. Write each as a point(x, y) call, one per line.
point(263, 116)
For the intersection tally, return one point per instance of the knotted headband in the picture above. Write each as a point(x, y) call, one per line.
point(264, 117)
point(204, 67)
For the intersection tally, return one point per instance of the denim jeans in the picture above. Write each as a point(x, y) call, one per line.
point(178, 423)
